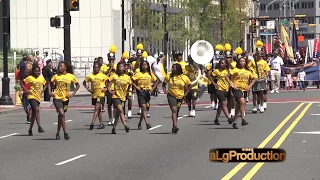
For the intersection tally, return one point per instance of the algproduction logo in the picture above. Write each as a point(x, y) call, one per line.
point(247, 155)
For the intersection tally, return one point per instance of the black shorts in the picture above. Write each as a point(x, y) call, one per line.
point(211, 89)
point(174, 101)
point(239, 94)
point(59, 104)
point(192, 95)
point(109, 98)
point(143, 97)
point(34, 104)
point(116, 102)
point(222, 95)
point(98, 100)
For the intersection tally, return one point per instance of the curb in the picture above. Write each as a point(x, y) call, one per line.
point(11, 111)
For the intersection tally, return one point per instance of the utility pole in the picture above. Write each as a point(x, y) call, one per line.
point(124, 35)
point(5, 98)
point(66, 31)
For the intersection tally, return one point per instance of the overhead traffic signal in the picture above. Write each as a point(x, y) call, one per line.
point(254, 26)
point(74, 5)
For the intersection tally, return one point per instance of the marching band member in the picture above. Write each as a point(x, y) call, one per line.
point(128, 71)
point(178, 59)
point(259, 97)
point(121, 83)
point(61, 94)
point(222, 86)
point(177, 83)
point(232, 65)
point(103, 70)
point(97, 81)
point(109, 71)
point(143, 83)
point(35, 83)
point(136, 64)
point(191, 98)
point(240, 77)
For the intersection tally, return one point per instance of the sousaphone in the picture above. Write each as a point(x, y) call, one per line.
point(202, 53)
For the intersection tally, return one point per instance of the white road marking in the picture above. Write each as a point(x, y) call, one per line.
point(66, 121)
point(208, 106)
point(69, 160)
point(314, 114)
point(155, 127)
point(182, 116)
point(1, 137)
point(311, 132)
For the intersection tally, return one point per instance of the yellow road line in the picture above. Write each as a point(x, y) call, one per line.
point(264, 143)
point(254, 170)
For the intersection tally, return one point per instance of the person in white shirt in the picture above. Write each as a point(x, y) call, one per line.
point(302, 77)
point(276, 63)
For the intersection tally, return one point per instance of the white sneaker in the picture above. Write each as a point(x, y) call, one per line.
point(277, 91)
point(148, 114)
point(194, 113)
point(265, 105)
point(190, 113)
point(129, 114)
point(272, 91)
point(254, 110)
point(261, 110)
point(233, 112)
point(139, 111)
point(247, 99)
point(216, 106)
point(213, 104)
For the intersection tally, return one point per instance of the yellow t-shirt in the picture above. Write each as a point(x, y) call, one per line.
point(221, 77)
point(121, 85)
point(97, 84)
point(252, 65)
point(113, 71)
point(144, 80)
point(137, 70)
point(240, 78)
point(183, 65)
point(209, 69)
point(103, 69)
point(63, 82)
point(192, 73)
point(36, 85)
point(263, 67)
point(177, 85)
point(234, 64)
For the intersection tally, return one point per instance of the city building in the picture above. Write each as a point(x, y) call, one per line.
point(308, 27)
point(94, 28)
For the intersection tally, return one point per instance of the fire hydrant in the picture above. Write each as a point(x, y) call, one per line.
point(18, 88)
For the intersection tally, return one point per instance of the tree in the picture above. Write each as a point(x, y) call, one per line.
point(148, 23)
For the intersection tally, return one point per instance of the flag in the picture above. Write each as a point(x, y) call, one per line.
point(295, 39)
point(276, 40)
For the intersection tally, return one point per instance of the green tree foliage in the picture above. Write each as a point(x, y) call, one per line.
point(233, 20)
point(147, 23)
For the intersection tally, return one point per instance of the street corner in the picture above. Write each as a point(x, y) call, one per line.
point(11, 109)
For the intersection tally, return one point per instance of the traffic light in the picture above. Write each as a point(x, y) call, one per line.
point(74, 5)
point(254, 26)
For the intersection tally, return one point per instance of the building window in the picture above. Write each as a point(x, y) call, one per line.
point(263, 23)
point(276, 6)
point(311, 20)
point(296, 6)
point(263, 7)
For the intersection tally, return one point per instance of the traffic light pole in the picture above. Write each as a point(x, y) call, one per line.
point(66, 31)
point(5, 98)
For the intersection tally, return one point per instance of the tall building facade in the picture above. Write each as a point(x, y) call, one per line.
point(94, 28)
point(308, 27)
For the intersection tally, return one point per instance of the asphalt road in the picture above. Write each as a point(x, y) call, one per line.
point(157, 154)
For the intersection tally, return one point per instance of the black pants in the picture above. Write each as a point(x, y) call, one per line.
point(46, 95)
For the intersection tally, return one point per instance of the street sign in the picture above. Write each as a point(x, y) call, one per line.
point(270, 25)
point(284, 23)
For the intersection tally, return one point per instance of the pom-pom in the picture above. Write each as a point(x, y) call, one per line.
point(227, 47)
point(140, 46)
point(113, 49)
point(259, 44)
point(238, 51)
point(145, 54)
point(219, 47)
point(125, 55)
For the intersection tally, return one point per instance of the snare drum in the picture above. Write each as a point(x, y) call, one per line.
point(260, 85)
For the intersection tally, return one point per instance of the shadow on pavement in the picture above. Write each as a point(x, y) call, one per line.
point(161, 133)
point(222, 128)
point(80, 129)
point(20, 123)
point(45, 139)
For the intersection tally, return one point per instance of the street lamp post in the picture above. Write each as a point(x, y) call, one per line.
point(221, 21)
point(5, 98)
point(165, 40)
point(122, 26)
